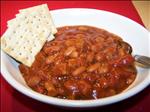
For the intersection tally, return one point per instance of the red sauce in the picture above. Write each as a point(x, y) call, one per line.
point(82, 62)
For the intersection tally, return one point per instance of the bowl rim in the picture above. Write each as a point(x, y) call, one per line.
point(73, 103)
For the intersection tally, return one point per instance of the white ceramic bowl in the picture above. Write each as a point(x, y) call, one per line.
point(129, 30)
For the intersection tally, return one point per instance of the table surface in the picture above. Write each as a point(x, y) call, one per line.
point(14, 101)
point(143, 8)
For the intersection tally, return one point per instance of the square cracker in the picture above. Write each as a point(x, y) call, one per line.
point(43, 13)
point(25, 38)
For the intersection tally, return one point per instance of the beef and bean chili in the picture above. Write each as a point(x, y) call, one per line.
point(81, 63)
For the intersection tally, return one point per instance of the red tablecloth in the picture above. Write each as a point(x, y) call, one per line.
point(13, 101)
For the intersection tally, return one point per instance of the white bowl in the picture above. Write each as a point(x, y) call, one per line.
point(130, 31)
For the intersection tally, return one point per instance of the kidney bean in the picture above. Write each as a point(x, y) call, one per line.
point(99, 39)
point(51, 89)
point(93, 67)
point(79, 43)
point(82, 28)
point(70, 42)
point(79, 70)
point(99, 57)
point(51, 49)
point(90, 57)
point(69, 50)
point(55, 48)
point(63, 68)
point(103, 68)
point(93, 48)
point(84, 87)
point(72, 63)
point(50, 59)
point(33, 80)
point(71, 86)
point(80, 36)
point(74, 54)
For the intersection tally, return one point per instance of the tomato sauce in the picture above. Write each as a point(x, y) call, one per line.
point(82, 62)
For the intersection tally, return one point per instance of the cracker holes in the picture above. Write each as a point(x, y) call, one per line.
point(28, 41)
point(9, 38)
point(5, 44)
point(34, 16)
point(25, 30)
point(32, 22)
point(34, 44)
point(39, 19)
point(17, 42)
point(27, 58)
point(14, 32)
point(32, 34)
point(20, 53)
point(21, 36)
point(12, 49)
point(37, 26)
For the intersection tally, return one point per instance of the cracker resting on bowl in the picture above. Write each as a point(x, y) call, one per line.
point(27, 33)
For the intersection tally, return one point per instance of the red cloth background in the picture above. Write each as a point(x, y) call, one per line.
point(13, 101)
